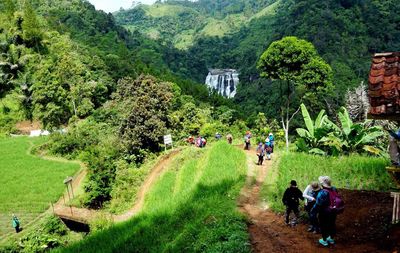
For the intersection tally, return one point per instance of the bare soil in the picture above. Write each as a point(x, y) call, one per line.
point(25, 127)
point(363, 227)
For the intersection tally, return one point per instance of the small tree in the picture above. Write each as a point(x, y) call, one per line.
point(302, 73)
point(143, 105)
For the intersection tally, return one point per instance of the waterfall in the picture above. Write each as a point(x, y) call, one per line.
point(224, 81)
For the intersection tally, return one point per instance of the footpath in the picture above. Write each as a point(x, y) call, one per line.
point(360, 228)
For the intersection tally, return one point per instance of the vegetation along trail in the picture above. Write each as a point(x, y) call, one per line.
point(359, 229)
point(85, 215)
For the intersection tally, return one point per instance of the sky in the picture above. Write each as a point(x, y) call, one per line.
point(114, 5)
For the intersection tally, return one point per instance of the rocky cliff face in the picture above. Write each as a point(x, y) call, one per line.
point(224, 81)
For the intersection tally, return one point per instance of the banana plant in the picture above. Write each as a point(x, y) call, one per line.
point(357, 137)
point(314, 131)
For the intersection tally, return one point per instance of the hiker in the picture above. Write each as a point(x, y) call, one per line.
point(218, 136)
point(394, 147)
point(198, 142)
point(247, 140)
point(310, 195)
point(291, 201)
point(203, 142)
point(326, 210)
point(260, 153)
point(16, 223)
point(229, 138)
point(268, 148)
point(190, 140)
point(272, 141)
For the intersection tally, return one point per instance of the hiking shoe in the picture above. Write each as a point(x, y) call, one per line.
point(323, 242)
point(330, 240)
point(310, 229)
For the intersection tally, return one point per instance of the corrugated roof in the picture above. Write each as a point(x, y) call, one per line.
point(384, 84)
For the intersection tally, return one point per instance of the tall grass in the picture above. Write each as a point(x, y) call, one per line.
point(191, 208)
point(350, 172)
point(27, 183)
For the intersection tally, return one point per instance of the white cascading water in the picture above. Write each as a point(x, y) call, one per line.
point(224, 81)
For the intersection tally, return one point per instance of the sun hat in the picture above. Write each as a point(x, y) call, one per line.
point(325, 181)
point(315, 186)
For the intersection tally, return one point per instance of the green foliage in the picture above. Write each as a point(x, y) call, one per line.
point(191, 208)
point(44, 178)
point(324, 137)
point(349, 172)
point(49, 234)
point(32, 33)
point(143, 106)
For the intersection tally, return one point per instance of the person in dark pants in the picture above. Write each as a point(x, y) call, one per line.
point(310, 195)
point(260, 153)
point(327, 219)
point(15, 223)
point(291, 199)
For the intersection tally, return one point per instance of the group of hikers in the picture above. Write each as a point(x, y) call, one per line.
point(199, 142)
point(322, 203)
point(263, 149)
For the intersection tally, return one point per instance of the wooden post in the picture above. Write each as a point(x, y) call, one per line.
point(72, 190)
point(396, 207)
point(69, 196)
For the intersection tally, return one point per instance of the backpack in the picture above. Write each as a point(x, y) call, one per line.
point(336, 203)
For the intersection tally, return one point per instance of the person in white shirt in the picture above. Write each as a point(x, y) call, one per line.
point(310, 195)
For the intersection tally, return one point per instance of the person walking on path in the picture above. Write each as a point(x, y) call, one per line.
point(272, 141)
point(229, 138)
point(310, 195)
point(247, 140)
point(291, 199)
point(15, 223)
point(268, 148)
point(260, 153)
point(322, 207)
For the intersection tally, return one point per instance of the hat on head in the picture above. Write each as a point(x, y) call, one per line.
point(325, 181)
point(315, 186)
point(293, 183)
point(270, 134)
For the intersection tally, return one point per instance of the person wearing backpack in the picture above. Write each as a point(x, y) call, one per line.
point(260, 153)
point(328, 205)
point(291, 201)
point(268, 148)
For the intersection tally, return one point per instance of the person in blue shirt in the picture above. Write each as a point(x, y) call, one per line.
point(268, 148)
point(272, 141)
point(327, 220)
point(15, 223)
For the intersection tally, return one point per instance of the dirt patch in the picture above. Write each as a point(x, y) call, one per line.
point(25, 127)
point(363, 227)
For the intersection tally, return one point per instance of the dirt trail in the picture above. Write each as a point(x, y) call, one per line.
point(361, 231)
point(84, 215)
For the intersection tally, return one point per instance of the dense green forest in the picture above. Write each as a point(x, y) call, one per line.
point(345, 33)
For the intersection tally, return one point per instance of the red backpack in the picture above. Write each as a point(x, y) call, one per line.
point(336, 205)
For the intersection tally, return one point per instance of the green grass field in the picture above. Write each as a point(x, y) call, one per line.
point(28, 183)
point(191, 208)
point(350, 172)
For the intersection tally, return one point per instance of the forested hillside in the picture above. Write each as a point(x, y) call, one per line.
point(233, 34)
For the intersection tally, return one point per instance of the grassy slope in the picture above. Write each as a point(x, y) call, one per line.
point(27, 183)
point(208, 27)
point(191, 208)
point(353, 172)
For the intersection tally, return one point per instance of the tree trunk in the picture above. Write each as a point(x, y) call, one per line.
point(286, 129)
